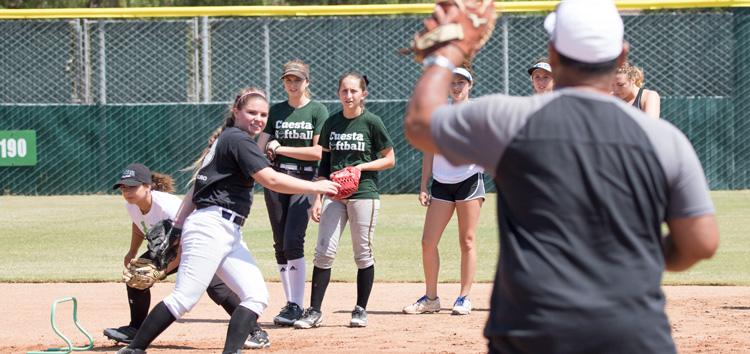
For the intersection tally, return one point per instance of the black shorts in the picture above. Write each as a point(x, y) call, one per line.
point(468, 189)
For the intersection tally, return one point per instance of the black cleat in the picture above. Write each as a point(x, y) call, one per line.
point(288, 315)
point(258, 340)
point(124, 334)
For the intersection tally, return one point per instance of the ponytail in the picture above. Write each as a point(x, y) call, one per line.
point(162, 183)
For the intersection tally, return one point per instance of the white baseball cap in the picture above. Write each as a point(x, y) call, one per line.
point(463, 72)
point(540, 65)
point(589, 31)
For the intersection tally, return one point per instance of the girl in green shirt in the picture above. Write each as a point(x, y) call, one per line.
point(352, 137)
point(291, 142)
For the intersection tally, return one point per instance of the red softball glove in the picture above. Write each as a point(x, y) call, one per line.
point(348, 179)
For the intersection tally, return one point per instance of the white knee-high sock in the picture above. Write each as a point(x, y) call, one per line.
point(296, 271)
point(284, 276)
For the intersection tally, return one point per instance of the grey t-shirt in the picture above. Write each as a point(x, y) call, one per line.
point(584, 182)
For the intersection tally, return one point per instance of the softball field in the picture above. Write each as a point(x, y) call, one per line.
point(705, 319)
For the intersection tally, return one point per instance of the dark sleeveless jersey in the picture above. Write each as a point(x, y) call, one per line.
point(225, 179)
point(637, 102)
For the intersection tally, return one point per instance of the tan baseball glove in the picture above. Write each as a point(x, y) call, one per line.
point(466, 24)
point(141, 274)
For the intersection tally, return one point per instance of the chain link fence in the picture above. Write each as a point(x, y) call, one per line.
point(103, 93)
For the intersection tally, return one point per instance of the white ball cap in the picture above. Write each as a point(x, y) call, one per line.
point(589, 31)
point(463, 72)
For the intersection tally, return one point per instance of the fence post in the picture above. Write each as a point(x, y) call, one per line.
point(206, 62)
point(506, 65)
point(195, 43)
point(267, 57)
point(741, 98)
point(102, 66)
point(78, 94)
point(86, 62)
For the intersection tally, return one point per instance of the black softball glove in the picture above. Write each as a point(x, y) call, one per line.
point(163, 241)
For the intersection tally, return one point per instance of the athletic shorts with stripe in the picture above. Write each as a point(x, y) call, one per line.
point(468, 189)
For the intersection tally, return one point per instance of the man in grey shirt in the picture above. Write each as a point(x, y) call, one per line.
point(584, 183)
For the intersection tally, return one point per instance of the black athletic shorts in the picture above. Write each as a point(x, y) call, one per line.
point(468, 189)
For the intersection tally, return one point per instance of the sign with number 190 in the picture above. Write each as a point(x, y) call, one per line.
point(17, 147)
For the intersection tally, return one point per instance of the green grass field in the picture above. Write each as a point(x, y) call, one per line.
point(83, 238)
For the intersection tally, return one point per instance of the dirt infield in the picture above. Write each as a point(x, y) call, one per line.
point(704, 320)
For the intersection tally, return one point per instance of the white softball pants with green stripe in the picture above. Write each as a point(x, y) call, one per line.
point(362, 215)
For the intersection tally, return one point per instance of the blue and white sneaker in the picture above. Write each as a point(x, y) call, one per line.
point(423, 305)
point(462, 306)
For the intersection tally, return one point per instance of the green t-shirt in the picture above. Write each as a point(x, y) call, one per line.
point(355, 141)
point(295, 127)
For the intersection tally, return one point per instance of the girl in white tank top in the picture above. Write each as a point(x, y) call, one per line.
point(454, 188)
point(445, 172)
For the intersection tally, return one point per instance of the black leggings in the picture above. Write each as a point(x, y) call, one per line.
point(288, 216)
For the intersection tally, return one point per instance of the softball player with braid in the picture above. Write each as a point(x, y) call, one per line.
point(352, 137)
point(211, 217)
point(294, 125)
point(149, 201)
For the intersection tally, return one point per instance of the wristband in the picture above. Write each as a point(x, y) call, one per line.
point(438, 60)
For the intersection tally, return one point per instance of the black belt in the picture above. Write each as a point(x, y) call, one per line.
point(233, 217)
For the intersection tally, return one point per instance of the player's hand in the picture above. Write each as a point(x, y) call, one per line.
point(316, 208)
point(271, 149)
point(326, 187)
point(128, 256)
point(424, 198)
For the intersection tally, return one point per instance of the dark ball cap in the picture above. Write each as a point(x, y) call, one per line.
point(134, 174)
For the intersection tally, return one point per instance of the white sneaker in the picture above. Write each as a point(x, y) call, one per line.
point(462, 306)
point(423, 305)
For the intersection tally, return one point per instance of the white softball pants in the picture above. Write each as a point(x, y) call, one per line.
point(213, 245)
point(362, 215)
